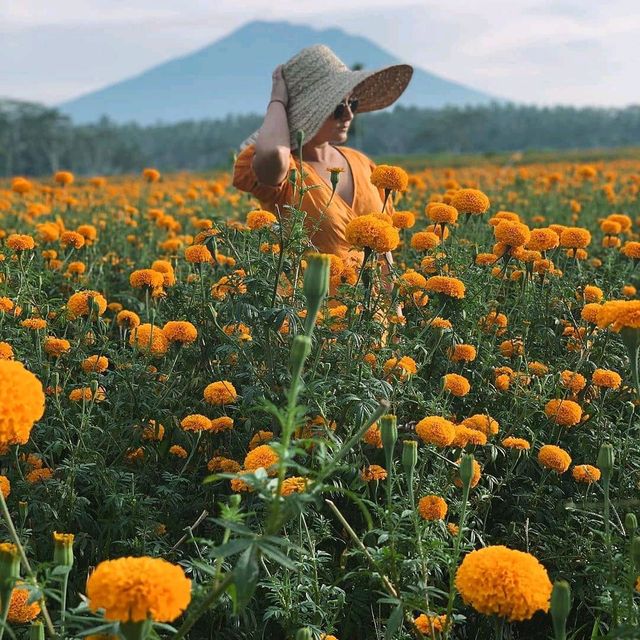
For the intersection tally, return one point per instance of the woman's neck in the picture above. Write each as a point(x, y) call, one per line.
point(322, 153)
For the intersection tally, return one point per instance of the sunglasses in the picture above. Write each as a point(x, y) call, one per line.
point(340, 109)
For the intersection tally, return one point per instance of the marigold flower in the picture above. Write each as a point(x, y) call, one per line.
point(220, 393)
point(475, 478)
point(403, 219)
point(451, 287)
point(82, 302)
point(504, 582)
point(542, 240)
point(389, 178)
point(63, 177)
point(296, 484)
point(370, 232)
point(573, 381)
point(150, 174)
point(619, 314)
point(373, 437)
point(95, 364)
point(178, 451)
point(19, 611)
point(39, 475)
point(516, 443)
point(482, 422)
point(462, 353)
point(196, 422)
point(180, 331)
point(5, 486)
point(589, 312)
point(575, 238)
point(432, 508)
point(403, 367)
point(631, 250)
point(566, 413)
point(134, 589)
point(373, 472)
point(470, 201)
point(223, 465)
point(149, 339)
point(436, 430)
point(6, 351)
point(440, 213)
point(424, 240)
point(20, 242)
point(72, 239)
point(585, 473)
point(426, 624)
point(264, 457)
point(606, 379)
point(146, 278)
point(513, 234)
point(538, 369)
point(466, 436)
point(554, 458)
point(21, 185)
point(260, 219)
point(456, 384)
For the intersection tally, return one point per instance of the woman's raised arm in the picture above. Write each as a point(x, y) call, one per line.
point(272, 148)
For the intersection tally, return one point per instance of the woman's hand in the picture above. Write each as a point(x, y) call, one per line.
point(279, 86)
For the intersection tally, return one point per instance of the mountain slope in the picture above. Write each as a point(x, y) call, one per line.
point(233, 75)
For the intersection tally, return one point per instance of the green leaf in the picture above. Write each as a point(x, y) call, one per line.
point(231, 548)
point(394, 623)
point(245, 578)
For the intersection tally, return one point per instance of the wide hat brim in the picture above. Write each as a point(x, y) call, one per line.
point(376, 89)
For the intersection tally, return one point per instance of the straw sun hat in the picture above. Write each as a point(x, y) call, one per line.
point(317, 81)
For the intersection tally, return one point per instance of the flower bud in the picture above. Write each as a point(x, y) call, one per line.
point(560, 606)
point(235, 500)
point(300, 350)
point(63, 549)
point(606, 459)
point(635, 552)
point(299, 138)
point(36, 631)
point(315, 286)
point(466, 469)
point(389, 434)
point(409, 459)
point(304, 634)
point(9, 570)
point(630, 523)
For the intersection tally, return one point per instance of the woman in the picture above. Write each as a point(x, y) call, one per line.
point(317, 93)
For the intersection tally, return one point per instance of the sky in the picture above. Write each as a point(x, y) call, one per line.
point(546, 52)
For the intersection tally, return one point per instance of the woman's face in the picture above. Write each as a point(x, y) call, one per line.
point(335, 131)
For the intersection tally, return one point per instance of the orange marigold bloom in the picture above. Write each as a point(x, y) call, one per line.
point(516, 443)
point(19, 242)
point(436, 430)
point(462, 353)
point(72, 239)
point(153, 431)
point(475, 478)
point(511, 348)
point(575, 238)
point(5, 486)
point(296, 484)
point(83, 302)
point(373, 437)
point(451, 287)
point(19, 611)
point(198, 254)
point(589, 312)
point(63, 177)
point(573, 381)
point(440, 213)
point(150, 174)
point(554, 458)
point(456, 385)
point(196, 422)
point(482, 422)
point(220, 393)
point(135, 589)
point(606, 379)
point(432, 508)
point(585, 473)
point(619, 314)
point(403, 219)
point(370, 232)
point(178, 451)
point(389, 178)
point(87, 394)
point(504, 582)
point(262, 457)
point(146, 278)
point(403, 367)
point(21, 185)
point(149, 339)
point(542, 240)
point(465, 436)
point(6, 351)
point(223, 423)
point(180, 331)
point(95, 364)
point(259, 219)
point(514, 234)
point(262, 437)
point(373, 472)
point(128, 319)
point(39, 475)
point(424, 240)
point(538, 369)
point(56, 346)
point(631, 250)
point(566, 413)
point(223, 465)
point(591, 293)
point(629, 291)
point(470, 201)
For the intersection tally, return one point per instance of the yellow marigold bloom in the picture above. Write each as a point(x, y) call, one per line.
point(475, 478)
point(573, 381)
point(440, 213)
point(424, 240)
point(513, 234)
point(566, 413)
point(409, 281)
point(39, 475)
point(296, 484)
point(481, 422)
point(166, 269)
point(76, 268)
point(610, 227)
point(128, 319)
point(575, 238)
point(543, 240)
point(504, 582)
point(441, 323)
point(150, 174)
point(95, 364)
point(198, 254)
point(146, 278)
point(554, 458)
point(516, 443)
point(456, 385)
point(462, 353)
point(220, 393)
point(403, 219)
point(221, 464)
point(263, 457)
point(389, 178)
point(149, 339)
point(610, 242)
point(589, 312)
point(370, 232)
point(196, 422)
point(19, 611)
point(453, 529)
point(631, 250)
point(373, 472)
point(6, 351)
point(134, 589)
point(470, 201)
point(606, 379)
point(432, 508)
point(426, 624)
point(436, 430)
point(180, 331)
point(72, 239)
point(538, 369)
point(619, 314)
point(56, 346)
point(5, 486)
point(451, 287)
point(260, 219)
point(585, 473)
point(80, 304)
point(373, 437)
point(465, 436)
point(591, 293)
point(403, 367)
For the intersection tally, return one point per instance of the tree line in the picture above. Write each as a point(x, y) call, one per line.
point(37, 140)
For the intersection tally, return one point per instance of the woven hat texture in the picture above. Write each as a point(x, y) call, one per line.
point(317, 80)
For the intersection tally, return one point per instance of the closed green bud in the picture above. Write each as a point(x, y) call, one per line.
point(466, 469)
point(606, 459)
point(315, 286)
point(299, 138)
point(235, 500)
point(300, 350)
point(36, 631)
point(630, 523)
point(389, 435)
point(304, 634)
point(560, 607)
point(63, 549)
point(635, 552)
point(409, 456)
point(9, 570)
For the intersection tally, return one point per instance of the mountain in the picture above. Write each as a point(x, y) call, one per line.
point(233, 76)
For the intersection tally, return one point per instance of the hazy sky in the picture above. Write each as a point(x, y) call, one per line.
point(583, 52)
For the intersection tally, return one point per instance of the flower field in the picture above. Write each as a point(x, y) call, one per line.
point(209, 430)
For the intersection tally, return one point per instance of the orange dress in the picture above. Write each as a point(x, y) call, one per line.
point(330, 234)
